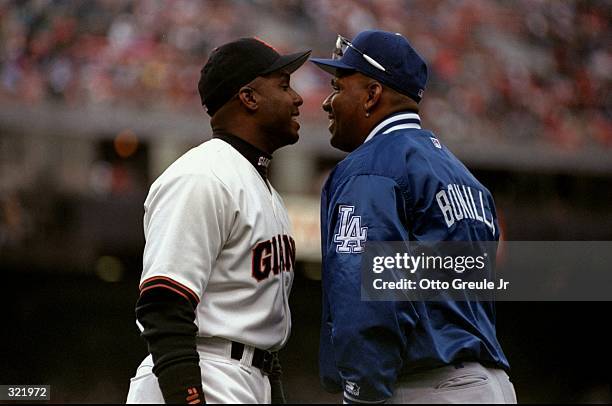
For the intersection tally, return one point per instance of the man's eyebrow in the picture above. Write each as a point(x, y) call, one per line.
point(284, 77)
point(334, 82)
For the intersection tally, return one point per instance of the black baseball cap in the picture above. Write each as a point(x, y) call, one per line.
point(404, 69)
point(237, 63)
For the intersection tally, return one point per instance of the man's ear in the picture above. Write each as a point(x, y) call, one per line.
point(375, 90)
point(248, 98)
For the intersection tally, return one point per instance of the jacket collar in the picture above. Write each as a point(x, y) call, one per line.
point(397, 121)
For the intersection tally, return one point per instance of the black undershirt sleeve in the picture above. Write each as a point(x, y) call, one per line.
point(170, 332)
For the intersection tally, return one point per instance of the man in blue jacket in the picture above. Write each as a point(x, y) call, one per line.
point(398, 183)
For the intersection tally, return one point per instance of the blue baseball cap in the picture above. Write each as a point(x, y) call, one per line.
point(385, 56)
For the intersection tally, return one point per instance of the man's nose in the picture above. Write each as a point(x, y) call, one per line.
point(327, 104)
point(297, 100)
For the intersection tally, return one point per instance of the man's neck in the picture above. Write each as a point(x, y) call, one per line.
point(258, 158)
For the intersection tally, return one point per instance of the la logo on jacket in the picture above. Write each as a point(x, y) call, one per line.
point(351, 234)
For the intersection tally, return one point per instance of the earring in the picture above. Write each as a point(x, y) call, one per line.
point(367, 114)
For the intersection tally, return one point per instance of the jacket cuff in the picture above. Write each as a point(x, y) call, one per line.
point(353, 393)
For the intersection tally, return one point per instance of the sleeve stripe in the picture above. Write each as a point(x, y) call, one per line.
point(162, 281)
point(172, 281)
point(169, 288)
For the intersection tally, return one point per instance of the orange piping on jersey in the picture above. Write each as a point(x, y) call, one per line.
point(171, 281)
point(167, 287)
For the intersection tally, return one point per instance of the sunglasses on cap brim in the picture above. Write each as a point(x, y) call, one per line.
point(342, 44)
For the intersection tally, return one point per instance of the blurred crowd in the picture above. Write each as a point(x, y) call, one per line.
point(524, 70)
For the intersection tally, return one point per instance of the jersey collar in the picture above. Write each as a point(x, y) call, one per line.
point(259, 159)
point(397, 121)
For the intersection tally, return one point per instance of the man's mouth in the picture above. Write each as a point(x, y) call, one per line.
point(294, 118)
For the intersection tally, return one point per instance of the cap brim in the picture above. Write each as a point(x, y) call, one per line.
point(331, 65)
point(289, 63)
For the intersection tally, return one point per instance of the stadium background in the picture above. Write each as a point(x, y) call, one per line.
point(98, 97)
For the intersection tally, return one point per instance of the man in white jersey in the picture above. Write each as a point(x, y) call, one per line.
point(219, 256)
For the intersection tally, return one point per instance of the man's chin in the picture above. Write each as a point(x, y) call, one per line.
point(291, 138)
point(336, 142)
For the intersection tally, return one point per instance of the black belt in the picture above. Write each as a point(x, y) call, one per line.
point(261, 359)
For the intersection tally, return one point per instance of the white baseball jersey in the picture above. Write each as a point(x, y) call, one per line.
point(216, 227)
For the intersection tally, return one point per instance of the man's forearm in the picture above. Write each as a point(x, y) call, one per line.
point(170, 333)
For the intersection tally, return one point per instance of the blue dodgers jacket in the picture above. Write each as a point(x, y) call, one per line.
point(402, 184)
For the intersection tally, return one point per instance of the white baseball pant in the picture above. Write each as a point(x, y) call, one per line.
point(224, 380)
